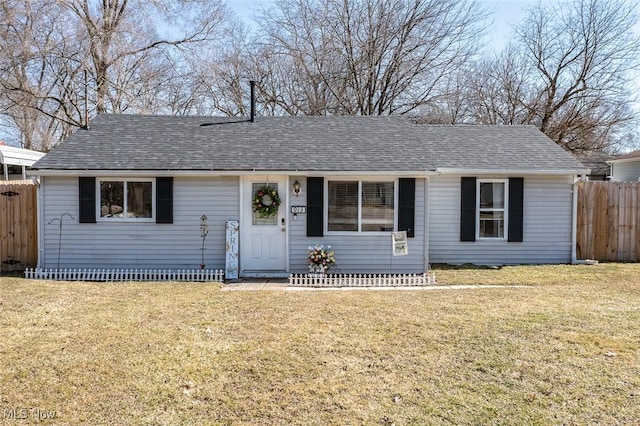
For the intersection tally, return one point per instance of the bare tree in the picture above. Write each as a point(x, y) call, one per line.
point(122, 36)
point(136, 53)
point(220, 79)
point(365, 56)
point(223, 79)
point(499, 90)
point(453, 106)
point(36, 81)
point(567, 72)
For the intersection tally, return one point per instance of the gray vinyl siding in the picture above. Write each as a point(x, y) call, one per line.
point(141, 245)
point(547, 230)
point(547, 224)
point(358, 253)
point(626, 172)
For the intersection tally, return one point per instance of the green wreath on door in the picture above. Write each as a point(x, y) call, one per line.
point(266, 201)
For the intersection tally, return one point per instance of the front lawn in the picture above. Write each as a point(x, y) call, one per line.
point(566, 351)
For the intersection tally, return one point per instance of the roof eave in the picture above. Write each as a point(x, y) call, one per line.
point(430, 172)
point(547, 172)
point(170, 172)
point(623, 160)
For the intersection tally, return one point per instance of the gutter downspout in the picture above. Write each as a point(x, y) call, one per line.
point(39, 219)
point(427, 182)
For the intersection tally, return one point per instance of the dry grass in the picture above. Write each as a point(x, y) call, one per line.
point(564, 352)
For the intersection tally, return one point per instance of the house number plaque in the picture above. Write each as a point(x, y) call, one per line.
point(298, 209)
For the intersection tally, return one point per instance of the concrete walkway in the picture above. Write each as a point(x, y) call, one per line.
point(281, 285)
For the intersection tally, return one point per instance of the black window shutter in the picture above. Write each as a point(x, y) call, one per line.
point(164, 200)
point(87, 199)
point(516, 215)
point(315, 206)
point(406, 205)
point(468, 209)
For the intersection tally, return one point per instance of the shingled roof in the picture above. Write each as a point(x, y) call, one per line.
point(312, 144)
point(596, 161)
point(633, 155)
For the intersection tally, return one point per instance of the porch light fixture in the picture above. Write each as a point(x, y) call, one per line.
point(296, 188)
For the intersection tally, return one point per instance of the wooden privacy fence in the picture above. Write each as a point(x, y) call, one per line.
point(18, 225)
point(608, 221)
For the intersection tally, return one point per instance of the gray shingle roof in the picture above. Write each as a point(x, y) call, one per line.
point(628, 156)
point(387, 144)
point(596, 161)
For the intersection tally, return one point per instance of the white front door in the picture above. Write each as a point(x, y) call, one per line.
point(263, 239)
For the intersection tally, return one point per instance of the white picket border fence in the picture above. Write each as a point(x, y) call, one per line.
point(362, 280)
point(83, 274)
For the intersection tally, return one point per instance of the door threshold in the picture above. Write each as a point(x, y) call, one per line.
point(264, 274)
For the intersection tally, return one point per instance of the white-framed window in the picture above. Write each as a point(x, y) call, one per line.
point(492, 202)
point(126, 199)
point(360, 205)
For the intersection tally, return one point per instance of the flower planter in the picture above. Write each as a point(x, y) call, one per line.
point(317, 270)
point(320, 260)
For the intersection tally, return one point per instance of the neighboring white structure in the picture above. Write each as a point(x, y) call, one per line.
point(137, 187)
point(15, 161)
point(597, 162)
point(626, 167)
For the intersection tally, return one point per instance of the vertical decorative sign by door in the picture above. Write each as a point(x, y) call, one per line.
point(231, 263)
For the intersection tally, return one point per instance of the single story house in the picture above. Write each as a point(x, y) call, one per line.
point(137, 187)
point(625, 167)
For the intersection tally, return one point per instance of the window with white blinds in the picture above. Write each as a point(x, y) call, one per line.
point(343, 206)
point(361, 206)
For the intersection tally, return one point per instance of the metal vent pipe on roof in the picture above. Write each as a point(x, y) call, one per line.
point(86, 101)
point(253, 100)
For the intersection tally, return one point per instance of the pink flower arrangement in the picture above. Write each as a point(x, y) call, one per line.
point(319, 258)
